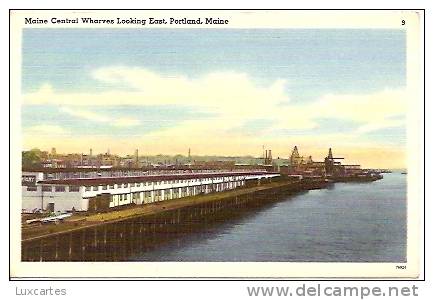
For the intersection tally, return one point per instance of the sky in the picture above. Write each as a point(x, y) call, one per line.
point(217, 91)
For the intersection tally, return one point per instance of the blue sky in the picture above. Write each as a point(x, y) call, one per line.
point(301, 66)
point(316, 61)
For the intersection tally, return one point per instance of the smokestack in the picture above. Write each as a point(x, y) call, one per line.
point(269, 155)
point(90, 152)
point(330, 153)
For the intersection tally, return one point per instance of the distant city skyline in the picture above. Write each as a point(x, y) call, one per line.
point(220, 92)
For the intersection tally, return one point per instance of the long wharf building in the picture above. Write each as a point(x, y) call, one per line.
point(76, 189)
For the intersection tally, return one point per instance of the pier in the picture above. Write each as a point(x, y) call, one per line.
point(112, 214)
point(118, 235)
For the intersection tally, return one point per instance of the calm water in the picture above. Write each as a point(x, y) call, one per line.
point(348, 222)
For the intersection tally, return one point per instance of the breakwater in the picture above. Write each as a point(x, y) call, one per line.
point(117, 240)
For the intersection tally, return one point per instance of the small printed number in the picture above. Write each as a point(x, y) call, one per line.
point(403, 22)
point(401, 267)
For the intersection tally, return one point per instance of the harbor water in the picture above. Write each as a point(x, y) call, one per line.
point(347, 222)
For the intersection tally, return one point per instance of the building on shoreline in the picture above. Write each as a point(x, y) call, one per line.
point(81, 190)
point(331, 168)
point(302, 166)
point(90, 186)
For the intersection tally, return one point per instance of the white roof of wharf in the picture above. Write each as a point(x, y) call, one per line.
point(147, 178)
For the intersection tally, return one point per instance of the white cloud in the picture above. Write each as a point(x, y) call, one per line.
point(233, 97)
point(85, 114)
point(364, 107)
point(100, 118)
point(126, 122)
point(45, 129)
point(375, 111)
point(370, 127)
point(227, 92)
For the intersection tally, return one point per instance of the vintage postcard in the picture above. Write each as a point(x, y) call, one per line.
point(216, 144)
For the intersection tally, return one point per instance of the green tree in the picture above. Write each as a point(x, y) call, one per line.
point(31, 158)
